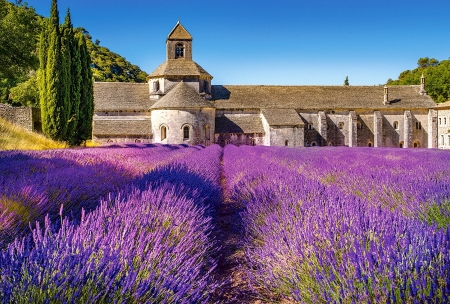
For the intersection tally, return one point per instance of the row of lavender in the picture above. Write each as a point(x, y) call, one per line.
point(149, 242)
point(36, 183)
point(352, 225)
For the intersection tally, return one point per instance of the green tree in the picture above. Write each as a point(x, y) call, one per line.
point(26, 93)
point(19, 30)
point(346, 81)
point(84, 123)
point(54, 107)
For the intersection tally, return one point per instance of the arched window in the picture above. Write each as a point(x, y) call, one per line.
point(286, 143)
point(185, 133)
point(179, 50)
point(163, 132)
point(418, 125)
point(400, 144)
point(440, 121)
point(396, 125)
point(448, 140)
point(205, 86)
point(369, 144)
point(155, 86)
point(442, 140)
point(341, 125)
point(416, 145)
point(445, 121)
point(310, 126)
point(313, 144)
point(207, 132)
point(359, 125)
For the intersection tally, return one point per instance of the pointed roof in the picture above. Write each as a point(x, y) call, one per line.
point(179, 32)
point(182, 96)
point(175, 67)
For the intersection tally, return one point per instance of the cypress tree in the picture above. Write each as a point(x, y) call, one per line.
point(54, 116)
point(86, 112)
point(73, 72)
point(42, 83)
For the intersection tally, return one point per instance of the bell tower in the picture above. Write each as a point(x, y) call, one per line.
point(179, 44)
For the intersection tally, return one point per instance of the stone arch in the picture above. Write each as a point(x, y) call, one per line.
point(163, 128)
point(313, 143)
point(186, 131)
point(395, 124)
point(401, 144)
point(370, 144)
point(286, 143)
point(416, 144)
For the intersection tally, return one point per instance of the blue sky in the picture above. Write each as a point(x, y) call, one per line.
point(282, 42)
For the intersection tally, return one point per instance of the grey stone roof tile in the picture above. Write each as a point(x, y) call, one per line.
point(182, 96)
point(282, 117)
point(122, 126)
point(239, 123)
point(318, 97)
point(179, 67)
point(121, 96)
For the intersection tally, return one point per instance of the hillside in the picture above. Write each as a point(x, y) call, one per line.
point(13, 137)
point(437, 77)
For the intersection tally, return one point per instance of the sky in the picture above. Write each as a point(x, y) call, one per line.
point(277, 42)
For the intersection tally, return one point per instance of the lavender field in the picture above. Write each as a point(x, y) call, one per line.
point(139, 224)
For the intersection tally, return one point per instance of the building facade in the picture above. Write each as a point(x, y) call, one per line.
point(179, 104)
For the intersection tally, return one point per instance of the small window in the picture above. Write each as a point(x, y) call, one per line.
point(313, 144)
point(416, 145)
point(286, 143)
point(310, 126)
point(179, 50)
point(396, 125)
point(186, 133)
point(359, 125)
point(440, 121)
point(207, 132)
point(163, 132)
point(442, 140)
point(418, 125)
point(445, 121)
point(138, 141)
point(341, 125)
point(369, 144)
point(253, 142)
point(400, 145)
point(155, 86)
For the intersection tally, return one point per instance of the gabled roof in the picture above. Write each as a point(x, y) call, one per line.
point(179, 33)
point(239, 123)
point(282, 117)
point(319, 97)
point(443, 105)
point(121, 96)
point(182, 96)
point(176, 67)
point(122, 126)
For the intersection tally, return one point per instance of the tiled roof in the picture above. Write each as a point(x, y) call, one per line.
point(121, 96)
point(179, 32)
point(443, 105)
point(182, 96)
point(179, 67)
point(318, 97)
point(282, 117)
point(239, 123)
point(122, 126)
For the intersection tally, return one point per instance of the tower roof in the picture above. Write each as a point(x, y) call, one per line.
point(179, 32)
point(182, 96)
point(173, 67)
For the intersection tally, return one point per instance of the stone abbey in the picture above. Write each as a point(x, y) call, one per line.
point(179, 104)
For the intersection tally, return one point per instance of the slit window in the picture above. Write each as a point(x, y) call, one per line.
point(186, 133)
point(163, 132)
point(396, 125)
point(207, 131)
point(418, 125)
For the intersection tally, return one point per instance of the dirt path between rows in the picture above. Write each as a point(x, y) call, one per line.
point(230, 270)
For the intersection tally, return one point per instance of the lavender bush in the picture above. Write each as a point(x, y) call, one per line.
point(36, 183)
point(343, 225)
point(150, 242)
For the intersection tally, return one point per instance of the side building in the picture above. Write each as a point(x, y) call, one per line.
point(179, 104)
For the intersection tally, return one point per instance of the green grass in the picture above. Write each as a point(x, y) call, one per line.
point(13, 137)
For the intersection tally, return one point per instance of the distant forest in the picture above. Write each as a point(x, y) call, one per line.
point(437, 78)
point(20, 27)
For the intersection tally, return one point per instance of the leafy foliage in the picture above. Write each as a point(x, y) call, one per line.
point(346, 83)
point(437, 75)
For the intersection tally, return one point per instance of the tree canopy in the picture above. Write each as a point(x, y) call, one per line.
point(437, 75)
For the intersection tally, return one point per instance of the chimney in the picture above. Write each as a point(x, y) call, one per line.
point(386, 95)
point(422, 86)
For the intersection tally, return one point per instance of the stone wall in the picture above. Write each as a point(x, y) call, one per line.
point(239, 139)
point(21, 116)
point(443, 128)
point(199, 121)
